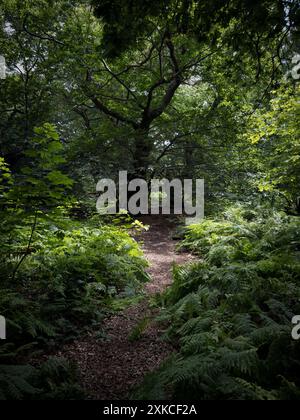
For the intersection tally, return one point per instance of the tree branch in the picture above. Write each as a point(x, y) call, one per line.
point(46, 37)
point(149, 115)
point(113, 114)
point(115, 76)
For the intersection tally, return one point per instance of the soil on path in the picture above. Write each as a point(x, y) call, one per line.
point(110, 369)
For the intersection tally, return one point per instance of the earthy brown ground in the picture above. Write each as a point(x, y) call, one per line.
point(110, 368)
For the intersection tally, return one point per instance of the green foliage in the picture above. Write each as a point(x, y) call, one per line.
point(41, 184)
point(15, 382)
point(275, 134)
point(6, 180)
point(68, 277)
point(58, 380)
point(159, 88)
point(55, 379)
point(139, 329)
point(128, 21)
point(231, 312)
point(68, 282)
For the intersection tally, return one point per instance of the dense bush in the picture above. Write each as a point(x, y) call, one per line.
point(58, 276)
point(62, 284)
point(55, 379)
point(65, 284)
point(231, 312)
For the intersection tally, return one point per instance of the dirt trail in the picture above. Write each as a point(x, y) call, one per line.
point(109, 369)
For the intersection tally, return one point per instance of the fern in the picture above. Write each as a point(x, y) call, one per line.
point(231, 312)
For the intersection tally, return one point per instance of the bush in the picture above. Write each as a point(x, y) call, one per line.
point(231, 312)
point(68, 279)
point(55, 379)
point(65, 284)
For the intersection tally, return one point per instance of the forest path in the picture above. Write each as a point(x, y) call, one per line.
point(109, 368)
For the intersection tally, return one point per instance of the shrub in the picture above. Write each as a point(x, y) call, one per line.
point(231, 312)
point(66, 284)
point(68, 279)
point(56, 379)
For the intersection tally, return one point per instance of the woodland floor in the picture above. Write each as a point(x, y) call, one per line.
point(110, 368)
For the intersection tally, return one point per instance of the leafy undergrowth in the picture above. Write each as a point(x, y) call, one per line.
point(231, 313)
point(68, 282)
point(56, 379)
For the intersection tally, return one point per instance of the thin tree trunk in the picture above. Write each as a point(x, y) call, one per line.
point(28, 247)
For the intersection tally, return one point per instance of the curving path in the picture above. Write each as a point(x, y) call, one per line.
point(111, 367)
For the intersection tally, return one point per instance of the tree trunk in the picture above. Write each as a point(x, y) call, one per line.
point(142, 155)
